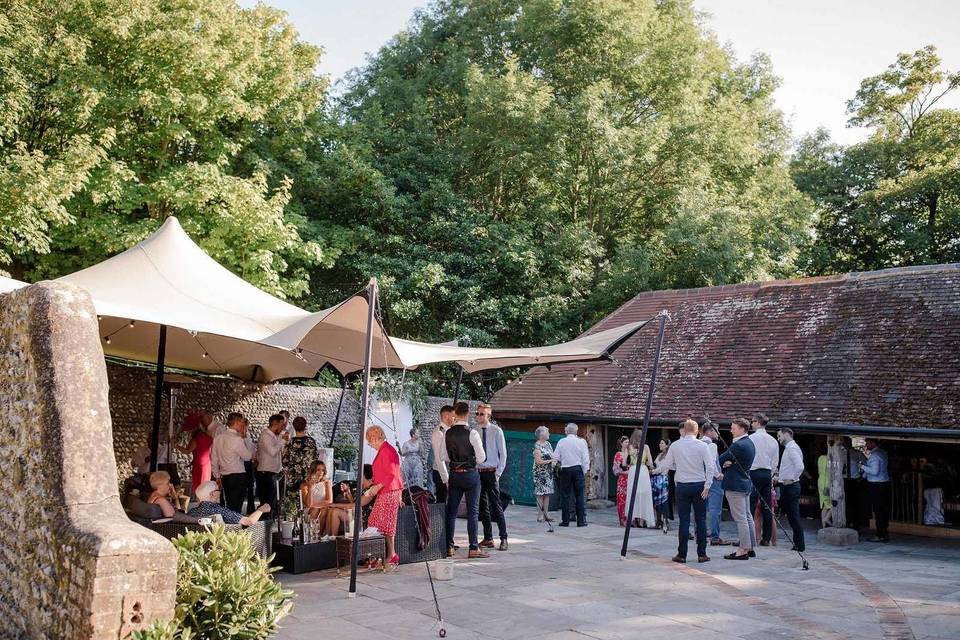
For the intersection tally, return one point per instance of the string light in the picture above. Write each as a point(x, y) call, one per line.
point(106, 339)
point(574, 377)
point(519, 380)
point(205, 354)
point(132, 322)
point(586, 372)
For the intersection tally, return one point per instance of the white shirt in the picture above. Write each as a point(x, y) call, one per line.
point(495, 447)
point(691, 460)
point(768, 451)
point(436, 438)
point(572, 451)
point(791, 462)
point(478, 452)
point(228, 454)
point(714, 454)
point(269, 452)
point(216, 428)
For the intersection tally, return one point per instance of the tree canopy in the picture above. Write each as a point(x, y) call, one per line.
point(525, 167)
point(119, 113)
point(893, 200)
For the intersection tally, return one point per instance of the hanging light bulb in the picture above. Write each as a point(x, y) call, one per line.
point(574, 377)
point(205, 354)
point(519, 380)
point(99, 318)
point(586, 372)
point(106, 339)
point(132, 322)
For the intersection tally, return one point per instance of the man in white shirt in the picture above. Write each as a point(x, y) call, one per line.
point(269, 465)
point(227, 456)
point(762, 470)
point(460, 453)
point(715, 499)
point(495, 447)
point(574, 457)
point(788, 477)
point(436, 439)
point(695, 471)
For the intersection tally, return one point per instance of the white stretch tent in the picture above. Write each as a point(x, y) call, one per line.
point(217, 322)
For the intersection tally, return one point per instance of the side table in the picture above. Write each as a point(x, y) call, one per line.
point(367, 548)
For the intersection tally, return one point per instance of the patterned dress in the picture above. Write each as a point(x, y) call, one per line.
point(618, 464)
point(543, 473)
point(298, 455)
point(660, 485)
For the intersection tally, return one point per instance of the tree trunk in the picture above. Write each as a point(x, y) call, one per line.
point(597, 477)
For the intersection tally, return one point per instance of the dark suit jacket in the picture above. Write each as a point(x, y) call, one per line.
point(736, 477)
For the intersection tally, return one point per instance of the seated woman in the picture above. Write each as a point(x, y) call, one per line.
point(208, 493)
point(316, 493)
point(162, 493)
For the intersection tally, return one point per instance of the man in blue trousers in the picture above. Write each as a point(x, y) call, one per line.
point(690, 458)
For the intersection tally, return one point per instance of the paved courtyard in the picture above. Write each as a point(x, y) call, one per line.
point(572, 585)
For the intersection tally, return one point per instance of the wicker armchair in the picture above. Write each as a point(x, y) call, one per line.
point(406, 537)
point(259, 534)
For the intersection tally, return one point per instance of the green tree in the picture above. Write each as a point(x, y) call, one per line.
point(119, 113)
point(894, 199)
point(532, 164)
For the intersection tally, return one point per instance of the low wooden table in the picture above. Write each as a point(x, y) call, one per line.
point(367, 548)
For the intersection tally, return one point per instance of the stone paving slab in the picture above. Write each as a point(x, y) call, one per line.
point(572, 585)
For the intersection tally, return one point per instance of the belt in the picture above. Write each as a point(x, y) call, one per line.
point(787, 483)
point(486, 469)
point(461, 470)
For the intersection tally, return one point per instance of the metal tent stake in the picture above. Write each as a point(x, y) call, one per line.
point(158, 399)
point(643, 432)
point(365, 399)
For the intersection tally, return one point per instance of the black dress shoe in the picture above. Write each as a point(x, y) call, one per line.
point(764, 543)
point(679, 558)
point(581, 524)
point(735, 556)
point(564, 524)
point(751, 554)
point(703, 558)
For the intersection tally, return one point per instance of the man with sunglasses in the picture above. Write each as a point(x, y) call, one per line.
point(495, 446)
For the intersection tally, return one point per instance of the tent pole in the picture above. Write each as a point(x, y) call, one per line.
point(364, 401)
point(456, 387)
point(643, 432)
point(158, 398)
point(336, 420)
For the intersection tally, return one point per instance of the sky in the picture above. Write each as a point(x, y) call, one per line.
point(821, 49)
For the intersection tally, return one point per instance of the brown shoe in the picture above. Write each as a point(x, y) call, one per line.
point(486, 543)
point(703, 558)
point(764, 543)
point(451, 552)
point(503, 545)
point(477, 553)
point(679, 558)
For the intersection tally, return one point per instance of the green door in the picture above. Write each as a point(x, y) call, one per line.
point(517, 479)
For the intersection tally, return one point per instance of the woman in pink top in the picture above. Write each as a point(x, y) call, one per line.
point(200, 445)
point(387, 487)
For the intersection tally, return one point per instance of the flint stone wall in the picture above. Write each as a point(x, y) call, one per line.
point(72, 565)
point(132, 395)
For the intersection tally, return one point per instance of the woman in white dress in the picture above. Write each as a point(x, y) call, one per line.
point(643, 513)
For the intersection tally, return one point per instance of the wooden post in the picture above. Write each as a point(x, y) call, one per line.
point(597, 481)
point(836, 455)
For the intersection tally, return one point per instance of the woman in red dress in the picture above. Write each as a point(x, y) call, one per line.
point(387, 487)
point(621, 469)
point(200, 444)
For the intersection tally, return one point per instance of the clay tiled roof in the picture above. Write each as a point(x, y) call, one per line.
point(880, 348)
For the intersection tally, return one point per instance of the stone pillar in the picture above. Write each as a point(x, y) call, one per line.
point(72, 565)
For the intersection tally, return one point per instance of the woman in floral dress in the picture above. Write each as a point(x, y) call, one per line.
point(621, 469)
point(543, 463)
point(660, 485)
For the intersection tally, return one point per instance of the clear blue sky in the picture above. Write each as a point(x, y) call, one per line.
point(821, 48)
